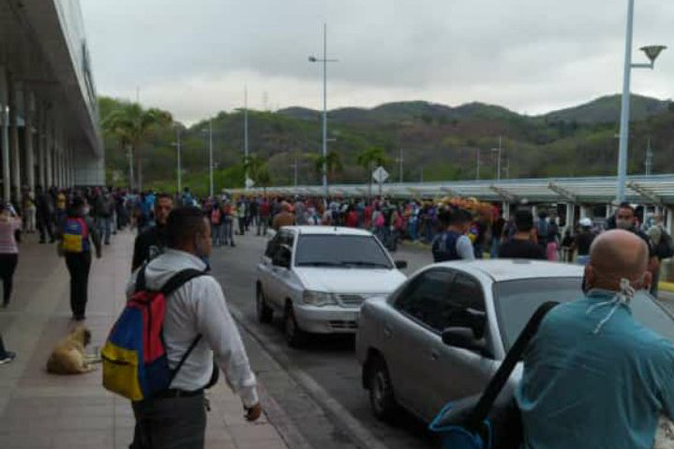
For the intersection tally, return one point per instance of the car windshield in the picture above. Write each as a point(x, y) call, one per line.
point(516, 301)
point(345, 251)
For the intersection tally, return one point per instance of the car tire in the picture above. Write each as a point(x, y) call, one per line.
point(294, 335)
point(380, 387)
point(265, 314)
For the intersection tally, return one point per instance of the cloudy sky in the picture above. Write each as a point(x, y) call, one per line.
point(195, 57)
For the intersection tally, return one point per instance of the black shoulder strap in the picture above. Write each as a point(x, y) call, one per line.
point(496, 384)
point(140, 279)
point(173, 284)
point(179, 279)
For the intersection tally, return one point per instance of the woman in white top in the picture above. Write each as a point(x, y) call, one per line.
point(9, 250)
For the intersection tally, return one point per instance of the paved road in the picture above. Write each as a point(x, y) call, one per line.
point(328, 362)
point(318, 386)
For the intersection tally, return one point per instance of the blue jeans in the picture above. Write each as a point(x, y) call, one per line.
point(218, 233)
point(228, 230)
point(104, 226)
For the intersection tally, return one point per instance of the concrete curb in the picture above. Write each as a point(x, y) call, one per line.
point(359, 433)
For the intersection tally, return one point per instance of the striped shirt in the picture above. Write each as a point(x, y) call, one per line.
point(7, 240)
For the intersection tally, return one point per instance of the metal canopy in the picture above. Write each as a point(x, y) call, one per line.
point(658, 189)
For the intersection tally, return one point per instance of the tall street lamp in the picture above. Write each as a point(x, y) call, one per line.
point(178, 150)
point(210, 155)
point(245, 137)
point(325, 61)
point(652, 52)
point(498, 164)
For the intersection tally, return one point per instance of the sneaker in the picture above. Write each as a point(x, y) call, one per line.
point(9, 356)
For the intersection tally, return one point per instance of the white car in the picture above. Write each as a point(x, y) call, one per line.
point(317, 278)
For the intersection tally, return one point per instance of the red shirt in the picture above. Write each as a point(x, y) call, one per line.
point(352, 219)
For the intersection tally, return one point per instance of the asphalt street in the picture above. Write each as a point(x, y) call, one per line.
point(318, 387)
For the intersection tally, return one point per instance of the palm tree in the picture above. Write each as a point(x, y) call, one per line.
point(370, 158)
point(332, 162)
point(253, 165)
point(132, 125)
point(263, 178)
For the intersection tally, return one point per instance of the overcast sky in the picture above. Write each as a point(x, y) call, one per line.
point(193, 58)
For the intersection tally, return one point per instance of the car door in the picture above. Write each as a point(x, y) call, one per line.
point(455, 373)
point(409, 340)
point(283, 276)
point(267, 269)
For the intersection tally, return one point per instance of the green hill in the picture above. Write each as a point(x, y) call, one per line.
point(607, 109)
point(438, 142)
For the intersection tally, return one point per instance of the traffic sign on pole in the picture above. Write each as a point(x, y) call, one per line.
point(380, 175)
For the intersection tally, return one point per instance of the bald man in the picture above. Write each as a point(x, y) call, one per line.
point(593, 376)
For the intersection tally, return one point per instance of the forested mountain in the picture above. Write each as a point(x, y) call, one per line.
point(438, 142)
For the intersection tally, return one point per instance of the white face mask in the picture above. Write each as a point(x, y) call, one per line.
point(623, 224)
point(85, 211)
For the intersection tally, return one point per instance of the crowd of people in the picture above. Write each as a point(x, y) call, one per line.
point(177, 232)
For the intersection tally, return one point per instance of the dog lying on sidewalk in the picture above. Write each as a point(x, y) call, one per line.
point(69, 357)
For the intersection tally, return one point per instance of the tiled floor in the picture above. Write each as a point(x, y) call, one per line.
point(40, 410)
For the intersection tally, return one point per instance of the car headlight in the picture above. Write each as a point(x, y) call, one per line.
point(318, 299)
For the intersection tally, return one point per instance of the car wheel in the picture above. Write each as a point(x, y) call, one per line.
point(382, 399)
point(265, 314)
point(294, 335)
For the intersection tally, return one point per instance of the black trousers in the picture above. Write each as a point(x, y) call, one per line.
point(170, 423)
point(8, 264)
point(44, 227)
point(78, 265)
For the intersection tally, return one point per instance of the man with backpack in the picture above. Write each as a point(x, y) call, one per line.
point(196, 331)
point(453, 244)
point(663, 248)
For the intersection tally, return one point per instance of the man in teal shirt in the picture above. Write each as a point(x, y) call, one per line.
point(593, 376)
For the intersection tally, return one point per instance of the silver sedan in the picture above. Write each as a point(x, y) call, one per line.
point(442, 334)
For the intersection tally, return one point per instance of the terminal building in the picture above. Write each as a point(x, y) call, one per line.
point(49, 125)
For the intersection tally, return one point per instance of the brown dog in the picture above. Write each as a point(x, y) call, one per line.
point(68, 356)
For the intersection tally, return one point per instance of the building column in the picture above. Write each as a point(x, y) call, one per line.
point(505, 209)
point(4, 115)
point(49, 143)
point(534, 212)
point(14, 141)
point(570, 215)
point(29, 112)
point(42, 145)
point(585, 212)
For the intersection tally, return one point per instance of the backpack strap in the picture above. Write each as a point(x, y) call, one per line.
point(496, 384)
point(173, 284)
point(179, 279)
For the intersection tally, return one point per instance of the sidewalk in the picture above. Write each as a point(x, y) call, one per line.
point(39, 410)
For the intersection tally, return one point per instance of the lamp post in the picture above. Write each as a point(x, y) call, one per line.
point(325, 61)
point(498, 163)
point(652, 52)
point(210, 156)
point(245, 136)
point(178, 150)
point(477, 174)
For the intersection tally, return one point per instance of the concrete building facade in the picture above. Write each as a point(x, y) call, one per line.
point(49, 125)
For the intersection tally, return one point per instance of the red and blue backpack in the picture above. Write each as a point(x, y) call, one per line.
point(135, 364)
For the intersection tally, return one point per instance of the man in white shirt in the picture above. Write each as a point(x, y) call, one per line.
point(176, 419)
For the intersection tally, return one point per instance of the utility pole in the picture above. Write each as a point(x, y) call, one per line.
point(180, 175)
point(245, 133)
point(477, 176)
point(401, 165)
point(295, 167)
point(422, 174)
point(649, 159)
point(210, 155)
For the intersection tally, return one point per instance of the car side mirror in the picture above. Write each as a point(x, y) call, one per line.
point(464, 338)
point(472, 319)
point(401, 264)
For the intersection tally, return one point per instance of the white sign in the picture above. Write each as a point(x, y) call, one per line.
point(380, 175)
point(249, 183)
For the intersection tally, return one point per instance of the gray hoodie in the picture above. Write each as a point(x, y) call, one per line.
point(199, 307)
